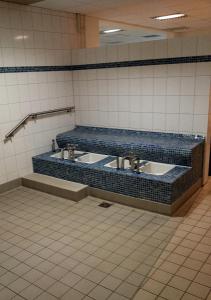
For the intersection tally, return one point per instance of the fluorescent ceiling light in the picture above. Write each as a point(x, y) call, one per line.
point(167, 17)
point(111, 30)
point(21, 37)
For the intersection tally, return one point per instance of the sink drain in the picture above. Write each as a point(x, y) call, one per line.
point(105, 204)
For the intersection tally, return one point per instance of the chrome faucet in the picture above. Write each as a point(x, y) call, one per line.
point(135, 162)
point(62, 153)
point(118, 162)
point(129, 157)
point(70, 148)
point(71, 151)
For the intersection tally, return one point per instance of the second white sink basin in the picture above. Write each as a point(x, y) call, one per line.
point(155, 168)
point(58, 155)
point(113, 164)
point(91, 158)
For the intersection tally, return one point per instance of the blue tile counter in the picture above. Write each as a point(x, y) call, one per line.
point(164, 189)
point(184, 151)
point(160, 147)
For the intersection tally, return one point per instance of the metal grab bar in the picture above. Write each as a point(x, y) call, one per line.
point(34, 116)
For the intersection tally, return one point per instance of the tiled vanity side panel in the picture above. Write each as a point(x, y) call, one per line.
point(197, 162)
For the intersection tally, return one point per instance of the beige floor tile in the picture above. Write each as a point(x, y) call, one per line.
point(92, 261)
point(198, 290)
point(161, 276)
point(186, 273)
point(46, 296)
point(72, 294)
point(106, 267)
point(82, 270)
point(198, 255)
point(206, 269)
point(153, 286)
point(45, 266)
point(203, 279)
point(21, 269)
point(8, 278)
point(17, 297)
point(6, 294)
point(179, 259)
point(169, 267)
point(171, 293)
point(57, 239)
point(57, 272)
point(130, 264)
point(18, 285)
point(179, 283)
point(58, 289)
point(31, 292)
point(85, 286)
point(135, 279)
point(189, 297)
point(144, 295)
point(110, 282)
point(115, 258)
point(115, 296)
point(33, 275)
point(126, 289)
point(70, 279)
point(120, 273)
point(100, 293)
point(193, 264)
point(96, 276)
point(45, 253)
point(209, 296)
point(45, 282)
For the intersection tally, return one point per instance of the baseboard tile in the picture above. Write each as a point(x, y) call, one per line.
point(7, 186)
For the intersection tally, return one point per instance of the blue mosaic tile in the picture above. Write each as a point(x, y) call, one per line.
point(126, 182)
point(161, 147)
point(186, 150)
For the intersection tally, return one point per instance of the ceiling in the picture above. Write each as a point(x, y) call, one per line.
point(140, 12)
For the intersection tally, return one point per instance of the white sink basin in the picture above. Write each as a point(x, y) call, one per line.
point(91, 158)
point(58, 155)
point(113, 163)
point(155, 168)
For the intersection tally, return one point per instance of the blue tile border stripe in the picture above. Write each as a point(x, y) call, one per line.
point(34, 69)
point(145, 62)
point(121, 64)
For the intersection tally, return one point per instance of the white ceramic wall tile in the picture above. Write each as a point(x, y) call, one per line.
point(186, 123)
point(33, 37)
point(187, 104)
point(169, 98)
point(159, 122)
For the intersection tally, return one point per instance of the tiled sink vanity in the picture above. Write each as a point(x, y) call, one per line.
point(161, 173)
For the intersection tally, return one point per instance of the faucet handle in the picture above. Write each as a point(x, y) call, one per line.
point(130, 153)
point(74, 146)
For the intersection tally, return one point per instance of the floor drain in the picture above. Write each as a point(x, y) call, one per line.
point(105, 204)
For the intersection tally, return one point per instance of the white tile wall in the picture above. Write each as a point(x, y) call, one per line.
point(168, 98)
point(32, 36)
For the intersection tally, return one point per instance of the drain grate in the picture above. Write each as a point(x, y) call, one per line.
point(105, 204)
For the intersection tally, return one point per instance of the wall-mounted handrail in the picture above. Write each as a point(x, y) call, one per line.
point(34, 116)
